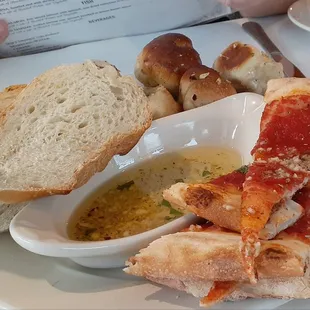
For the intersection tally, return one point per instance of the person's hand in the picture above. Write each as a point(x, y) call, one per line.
point(256, 8)
point(4, 31)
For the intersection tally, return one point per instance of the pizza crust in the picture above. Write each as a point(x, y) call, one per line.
point(215, 256)
point(278, 88)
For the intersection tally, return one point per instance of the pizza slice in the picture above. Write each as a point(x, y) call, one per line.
point(205, 261)
point(219, 201)
point(299, 231)
point(281, 161)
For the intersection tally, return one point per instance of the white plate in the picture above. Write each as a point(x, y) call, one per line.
point(299, 14)
point(34, 282)
point(37, 282)
point(41, 227)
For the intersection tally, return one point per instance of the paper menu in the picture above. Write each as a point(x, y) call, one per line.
point(37, 26)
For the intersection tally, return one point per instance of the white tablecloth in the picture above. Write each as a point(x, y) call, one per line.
point(29, 281)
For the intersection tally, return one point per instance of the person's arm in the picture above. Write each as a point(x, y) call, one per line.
point(4, 31)
point(259, 8)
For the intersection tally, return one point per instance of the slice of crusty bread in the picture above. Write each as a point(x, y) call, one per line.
point(65, 126)
point(7, 99)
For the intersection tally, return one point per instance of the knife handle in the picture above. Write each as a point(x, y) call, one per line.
point(259, 34)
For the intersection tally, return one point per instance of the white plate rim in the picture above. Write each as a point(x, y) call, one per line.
point(294, 19)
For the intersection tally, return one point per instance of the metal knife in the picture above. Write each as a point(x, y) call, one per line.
point(257, 32)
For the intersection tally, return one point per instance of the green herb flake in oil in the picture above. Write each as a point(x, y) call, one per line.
point(172, 210)
point(175, 212)
point(244, 169)
point(166, 203)
point(206, 173)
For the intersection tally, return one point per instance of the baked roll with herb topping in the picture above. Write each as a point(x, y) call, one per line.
point(201, 85)
point(248, 68)
point(164, 60)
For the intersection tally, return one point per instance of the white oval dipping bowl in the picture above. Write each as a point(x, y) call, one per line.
point(41, 227)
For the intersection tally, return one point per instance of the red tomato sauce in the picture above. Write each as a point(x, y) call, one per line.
point(288, 129)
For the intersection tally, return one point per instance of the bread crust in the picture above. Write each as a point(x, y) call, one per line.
point(164, 60)
point(7, 98)
point(119, 146)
